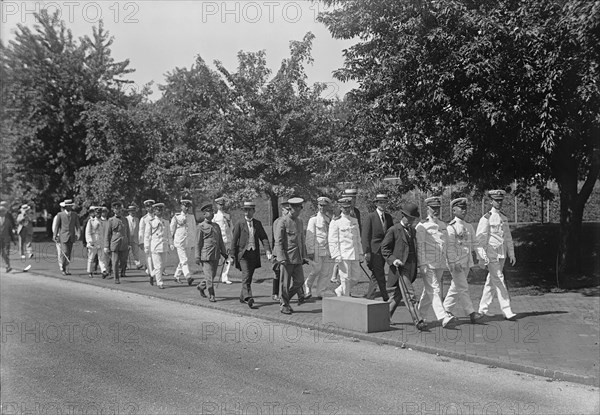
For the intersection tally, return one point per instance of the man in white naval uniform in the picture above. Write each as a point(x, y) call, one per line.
point(223, 219)
point(134, 230)
point(432, 240)
point(346, 247)
point(317, 249)
point(183, 229)
point(157, 242)
point(93, 238)
point(142, 234)
point(494, 243)
point(461, 245)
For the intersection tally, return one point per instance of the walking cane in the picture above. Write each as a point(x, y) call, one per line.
point(365, 271)
point(219, 273)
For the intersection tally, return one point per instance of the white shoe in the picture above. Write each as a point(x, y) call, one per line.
point(227, 282)
point(338, 291)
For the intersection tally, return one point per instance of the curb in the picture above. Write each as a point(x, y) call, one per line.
point(554, 375)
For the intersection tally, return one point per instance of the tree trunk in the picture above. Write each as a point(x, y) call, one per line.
point(572, 204)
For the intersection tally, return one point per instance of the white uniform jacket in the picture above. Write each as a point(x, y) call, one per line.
point(92, 232)
point(344, 239)
point(183, 229)
point(432, 242)
point(316, 235)
point(224, 222)
point(143, 223)
point(493, 236)
point(157, 236)
point(461, 243)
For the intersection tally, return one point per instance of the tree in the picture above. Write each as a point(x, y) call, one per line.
point(263, 135)
point(483, 92)
point(49, 82)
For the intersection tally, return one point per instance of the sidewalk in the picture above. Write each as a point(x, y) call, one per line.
point(556, 335)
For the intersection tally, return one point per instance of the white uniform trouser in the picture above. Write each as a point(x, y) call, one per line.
point(320, 271)
point(432, 293)
point(495, 286)
point(226, 266)
point(349, 272)
point(136, 252)
point(158, 260)
point(183, 267)
point(459, 291)
point(94, 252)
point(149, 264)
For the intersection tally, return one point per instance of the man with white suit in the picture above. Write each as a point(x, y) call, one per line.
point(183, 229)
point(317, 249)
point(157, 242)
point(345, 247)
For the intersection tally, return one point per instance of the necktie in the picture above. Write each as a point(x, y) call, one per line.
point(383, 222)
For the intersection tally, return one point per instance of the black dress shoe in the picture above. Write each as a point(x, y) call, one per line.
point(421, 325)
point(301, 300)
point(307, 297)
point(202, 293)
point(117, 281)
point(62, 272)
point(286, 310)
point(151, 281)
point(104, 274)
point(190, 281)
point(251, 302)
point(212, 299)
point(475, 316)
point(91, 275)
point(67, 273)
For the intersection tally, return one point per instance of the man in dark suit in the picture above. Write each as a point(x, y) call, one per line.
point(399, 248)
point(116, 241)
point(374, 228)
point(66, 232)
point(246, 252)
point(6, 234)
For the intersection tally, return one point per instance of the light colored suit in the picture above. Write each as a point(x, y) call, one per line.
point(346, 249)
point(432, 242)
point(134, 240)
point(494, 242)
point(157, 240)
point(461, 245)
point(224, 221)
point(141, 235)
point(317, 231)
point(183, 229)
point(93, 236)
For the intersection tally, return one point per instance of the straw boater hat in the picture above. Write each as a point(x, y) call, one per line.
point(132, 207)
point(186, 202)
point(381, 197)
point(66, 202)
point(249, 205)
point(295, 201)
point(25, 207)
point(410, 209)
point(149, 202)
point(350, 192)
point(220, 200)
point(158, 206)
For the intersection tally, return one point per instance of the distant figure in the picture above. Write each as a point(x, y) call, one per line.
point(25, 231)
point(157, 242)
point(209, 249)
point(223, 219)
point(6, 235)
point(116, 240)
point(66, 232)
point(183, 230)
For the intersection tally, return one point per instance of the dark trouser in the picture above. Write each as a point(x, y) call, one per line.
point(377, 265)
point(248, 263)
point(118, 259)
point(67, 249)
point(408, 274)
point(4, 252)
point(276, 279)
point(291, 273)
point(209, 269)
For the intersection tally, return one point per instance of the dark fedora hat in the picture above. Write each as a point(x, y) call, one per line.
point(410, 209)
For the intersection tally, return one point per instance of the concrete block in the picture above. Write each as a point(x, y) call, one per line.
point(358, 314)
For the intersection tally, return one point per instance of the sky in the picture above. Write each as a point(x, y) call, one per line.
point(159, 35)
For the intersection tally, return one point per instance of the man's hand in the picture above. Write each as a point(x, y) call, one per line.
point(423, 269)
point(90, 245)
point(361, 258)
point(172, 247)
point(513, 260)
point(397, 263)
point(337, 259)
point(269, 255)
point(56, 239)
point(368, 257)
point(106, 250)
point(147, 251)
point(483, 263)
point(458, 267)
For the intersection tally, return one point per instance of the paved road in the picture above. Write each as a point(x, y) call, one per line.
point(73, 348)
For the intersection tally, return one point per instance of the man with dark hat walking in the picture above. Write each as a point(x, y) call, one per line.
point(6, 235)
point(66, 232)
point(375, 226)
point(209, 249)
point(116, 240)
point(246, 251)
point(399, 248)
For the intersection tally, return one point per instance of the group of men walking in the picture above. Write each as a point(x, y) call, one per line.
point(336, 245)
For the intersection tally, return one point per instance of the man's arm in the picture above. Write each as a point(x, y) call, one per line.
point(388, 245)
